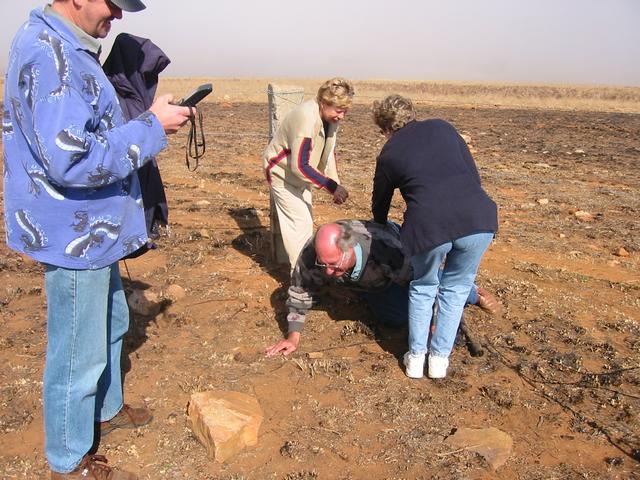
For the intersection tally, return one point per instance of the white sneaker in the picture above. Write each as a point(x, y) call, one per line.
point(438, 366)
point(414, 365)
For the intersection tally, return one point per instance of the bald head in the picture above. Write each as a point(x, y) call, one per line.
point(332, 251)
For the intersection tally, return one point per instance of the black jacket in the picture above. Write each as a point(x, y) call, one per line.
point(431, 165)
point(133, 66)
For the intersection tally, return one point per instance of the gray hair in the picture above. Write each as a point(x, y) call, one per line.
point(347, 238)
point(393, 113)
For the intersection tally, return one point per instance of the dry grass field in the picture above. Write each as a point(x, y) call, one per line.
point(611, 99)
point(561, 369)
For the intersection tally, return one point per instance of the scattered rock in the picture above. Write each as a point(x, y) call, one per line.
point(203, 203)
point(562, 235)
point(622, 252)
point(493, 444)
point(583, 216)
point(204, 233)
point(315, 355)
point(543, 201)
point(224, 422)
point(144, 302)
point(226, 102)
point(527, 206)
point(175, 292)
point(467, 138)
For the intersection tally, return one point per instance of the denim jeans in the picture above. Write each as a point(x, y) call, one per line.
point(87, 317)
point(461, 259)
point(391, 306)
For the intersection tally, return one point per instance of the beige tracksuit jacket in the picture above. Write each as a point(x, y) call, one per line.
point(299, 153)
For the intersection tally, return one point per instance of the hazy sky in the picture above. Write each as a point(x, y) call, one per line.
point(521, 41)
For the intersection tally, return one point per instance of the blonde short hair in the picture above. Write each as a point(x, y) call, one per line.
point(337, 92)
point(393, 113)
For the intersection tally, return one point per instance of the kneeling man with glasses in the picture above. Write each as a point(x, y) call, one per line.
point(365, 257)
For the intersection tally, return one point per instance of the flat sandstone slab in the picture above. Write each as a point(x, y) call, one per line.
point(224, 422)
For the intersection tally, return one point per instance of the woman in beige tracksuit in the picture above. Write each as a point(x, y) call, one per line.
point(301, 155)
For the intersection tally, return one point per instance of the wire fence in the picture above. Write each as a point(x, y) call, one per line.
point(443, 102)
point(283, 95)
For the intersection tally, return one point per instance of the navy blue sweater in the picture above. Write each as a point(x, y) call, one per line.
point(431, 165)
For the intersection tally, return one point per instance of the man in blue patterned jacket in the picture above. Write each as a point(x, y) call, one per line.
point(72, 202)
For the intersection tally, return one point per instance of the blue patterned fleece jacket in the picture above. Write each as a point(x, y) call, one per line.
point(70, 196)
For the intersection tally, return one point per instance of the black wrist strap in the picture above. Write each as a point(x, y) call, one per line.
point(196, 144)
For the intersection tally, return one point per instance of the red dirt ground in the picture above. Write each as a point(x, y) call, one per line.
point(561, 372)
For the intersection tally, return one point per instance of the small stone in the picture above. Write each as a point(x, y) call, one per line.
point(578, 150)
point(175, 292)
point(543, 201)
point(224, 422)
point(144, 302)
point(527, 206)
point(622, 252)
point(466, 138)
point(203, 203)
point(315, 355)
point(584, 216)
point(562, 235)
point(204, 233)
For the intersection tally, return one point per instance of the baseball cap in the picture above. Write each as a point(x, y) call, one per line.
point(129, 5)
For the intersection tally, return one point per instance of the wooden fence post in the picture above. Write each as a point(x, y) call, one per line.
point(282, 99)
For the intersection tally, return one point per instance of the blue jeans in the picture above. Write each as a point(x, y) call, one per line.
point(461, 259)
point(391, 305)
point(87, 317)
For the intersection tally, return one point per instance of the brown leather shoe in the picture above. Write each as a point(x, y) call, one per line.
point(127, 417)
point(94, 467)
point(488, 302)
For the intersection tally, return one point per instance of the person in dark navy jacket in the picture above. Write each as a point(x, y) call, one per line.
point(449, 222)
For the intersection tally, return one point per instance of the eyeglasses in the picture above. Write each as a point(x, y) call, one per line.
point(334, 266)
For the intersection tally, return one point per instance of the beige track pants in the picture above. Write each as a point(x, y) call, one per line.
point(295, 216)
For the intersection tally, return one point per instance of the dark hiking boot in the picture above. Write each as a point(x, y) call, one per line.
point(127, 417)
point(94, 467)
